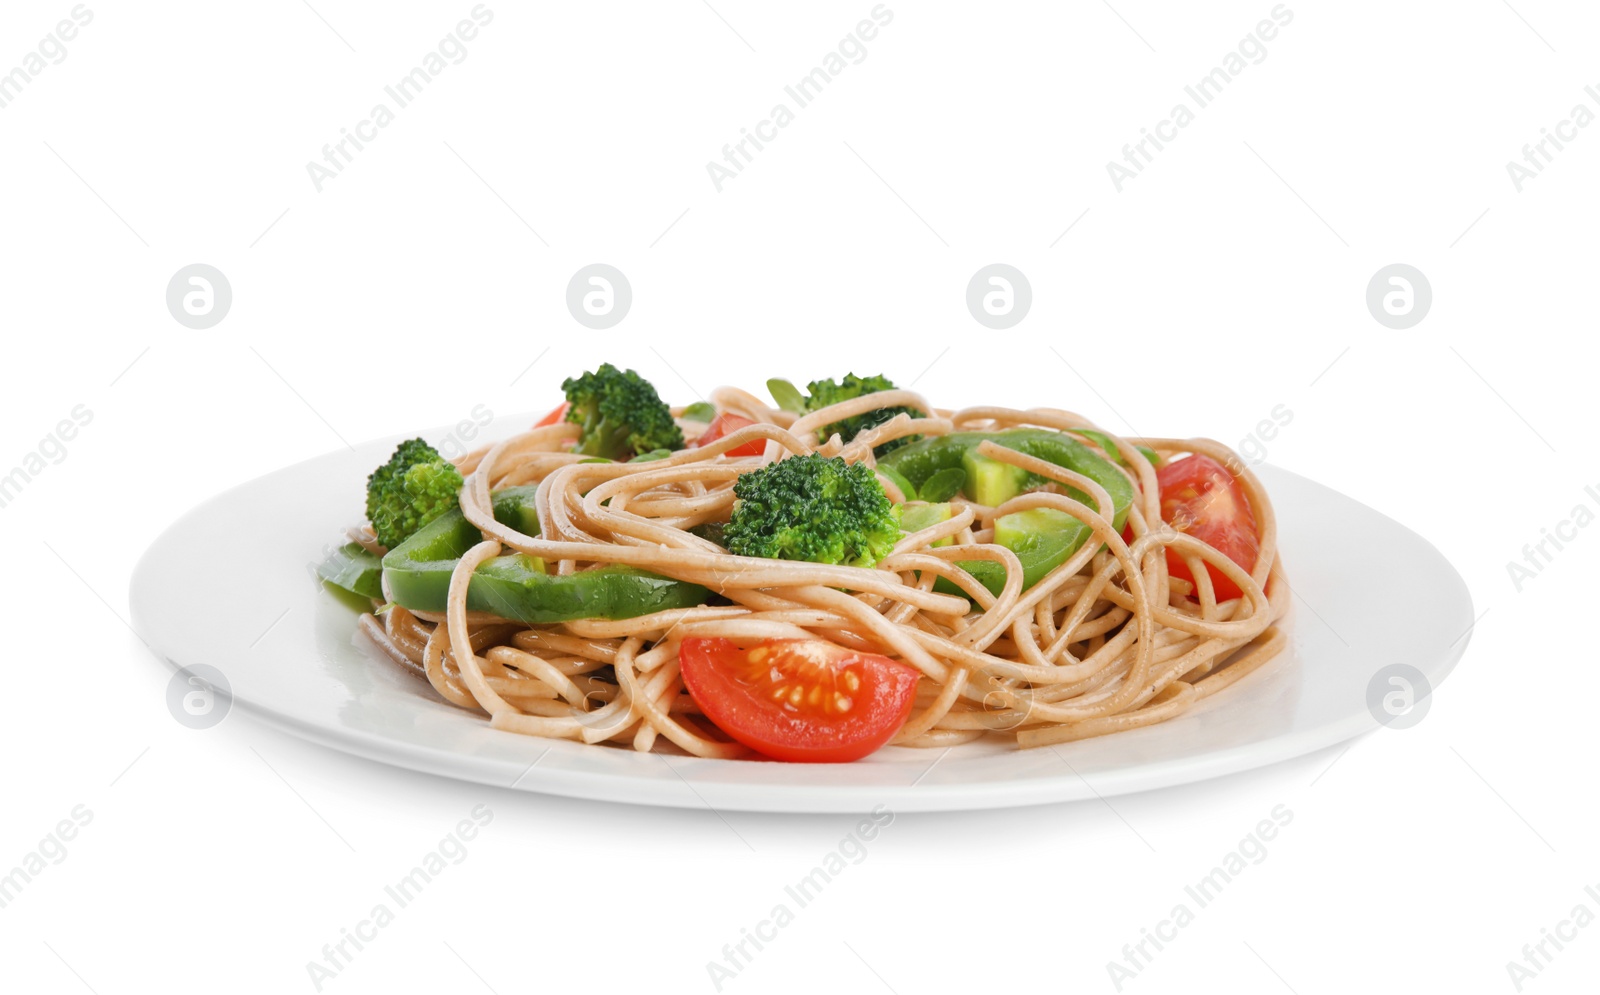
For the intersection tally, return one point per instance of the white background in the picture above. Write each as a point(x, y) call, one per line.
point(428, 275)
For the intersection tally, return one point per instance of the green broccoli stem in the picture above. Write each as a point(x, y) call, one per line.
point(604, 440)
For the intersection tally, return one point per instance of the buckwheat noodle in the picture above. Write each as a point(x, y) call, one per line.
point(1106, 642)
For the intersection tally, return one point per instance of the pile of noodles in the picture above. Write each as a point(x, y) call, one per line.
point(1106, 642)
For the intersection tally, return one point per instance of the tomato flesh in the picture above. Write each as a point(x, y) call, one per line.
point(727, 424)
point(1199, 497)
point(555, 416)
point(803, 700)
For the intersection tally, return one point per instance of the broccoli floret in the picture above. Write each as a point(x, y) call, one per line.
point(416, 486)
point(826, 392)
point(812, 508)
point(621, 414)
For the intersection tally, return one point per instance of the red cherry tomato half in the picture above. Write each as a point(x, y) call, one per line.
point(554, 417)
point(805, 700)
point(1201, 498)
point(727, 424)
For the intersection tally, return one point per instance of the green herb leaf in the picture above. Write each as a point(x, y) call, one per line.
point(943, 486)
point(700, 411)
point(787, 396)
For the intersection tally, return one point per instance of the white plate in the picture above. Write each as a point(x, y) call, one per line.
point(314, 675)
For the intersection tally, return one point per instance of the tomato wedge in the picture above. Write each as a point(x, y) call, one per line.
point(727, 424)
point(1201, 498)
point(804, 700)
point(555, 416)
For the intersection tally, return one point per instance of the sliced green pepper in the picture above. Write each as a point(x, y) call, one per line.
point(1042, 538)
point(352, 569)
point(919, 461)
point(916, 517)
point(1110, 447)
point(899, 481)
point(1103, 441)
point(515, 586)
point(514, 506)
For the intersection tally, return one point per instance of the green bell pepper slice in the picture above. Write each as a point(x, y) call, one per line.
point(919, 461)
point(899, 481)
point(1042, 538)
point(1105, 443)
point(355, 571)
point(916, 517)
point(515, 586)
point(352, 569)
